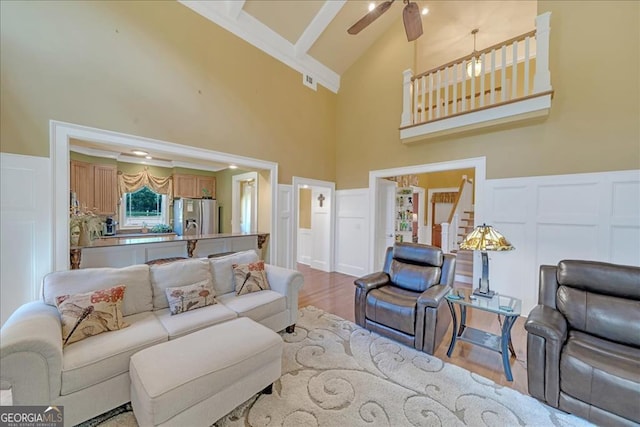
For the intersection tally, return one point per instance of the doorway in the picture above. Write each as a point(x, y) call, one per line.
point(244, 203)
point(319, 242)
point(379, 208)
point(60, 134)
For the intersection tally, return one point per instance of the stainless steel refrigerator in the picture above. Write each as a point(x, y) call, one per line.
point(195, 216)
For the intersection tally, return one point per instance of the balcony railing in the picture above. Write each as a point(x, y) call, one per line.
point(505, 82)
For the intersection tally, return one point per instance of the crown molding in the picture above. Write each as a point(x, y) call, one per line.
point(264, 38)
point(170, 164)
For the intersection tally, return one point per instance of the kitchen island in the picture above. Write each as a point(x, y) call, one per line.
point(130, 250)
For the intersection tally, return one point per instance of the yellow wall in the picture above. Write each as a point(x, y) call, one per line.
point(156, 69)
point(159, 70)
point(593, 125)
point(305, 208)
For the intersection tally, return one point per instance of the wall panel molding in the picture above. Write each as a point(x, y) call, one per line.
point(593, 216)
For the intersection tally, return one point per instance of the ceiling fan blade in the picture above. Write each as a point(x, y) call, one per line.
point(412, 21)
point(370, 17)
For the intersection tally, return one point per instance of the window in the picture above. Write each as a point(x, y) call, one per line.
point(143, 207)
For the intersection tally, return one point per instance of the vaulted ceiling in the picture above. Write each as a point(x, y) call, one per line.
point(311, 35)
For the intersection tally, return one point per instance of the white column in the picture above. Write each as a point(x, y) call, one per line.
point(405, 119)
point(444, 238)
point(542, 79)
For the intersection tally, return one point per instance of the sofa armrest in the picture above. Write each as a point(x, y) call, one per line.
point(285, 281)
point(546, 334)
point(433, 296)
point(372, 281)
point(31, 354)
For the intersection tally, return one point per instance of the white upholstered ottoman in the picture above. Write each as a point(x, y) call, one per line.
point(197, 379)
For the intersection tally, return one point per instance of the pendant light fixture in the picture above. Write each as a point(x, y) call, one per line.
point(471, 72)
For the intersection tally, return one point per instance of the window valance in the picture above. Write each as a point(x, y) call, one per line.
point(444, 197)
point(128, 183)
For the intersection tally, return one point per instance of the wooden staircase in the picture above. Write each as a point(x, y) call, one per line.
point(464, 259)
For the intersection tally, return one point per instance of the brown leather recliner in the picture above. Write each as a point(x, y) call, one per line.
point(583, 341)
point(405, 301)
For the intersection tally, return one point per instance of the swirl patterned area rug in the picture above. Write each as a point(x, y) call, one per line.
point(338, 374)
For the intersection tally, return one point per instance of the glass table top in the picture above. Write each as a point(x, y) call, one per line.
point(499, 304)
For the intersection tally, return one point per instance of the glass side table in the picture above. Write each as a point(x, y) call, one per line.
point(502, 305)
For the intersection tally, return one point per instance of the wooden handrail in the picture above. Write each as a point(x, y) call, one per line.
point(455, 205)
point(476, 54)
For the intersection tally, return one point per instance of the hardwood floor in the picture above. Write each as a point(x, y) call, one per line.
point(334, 293)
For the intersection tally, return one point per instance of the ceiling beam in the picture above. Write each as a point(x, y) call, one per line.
point(234, 7)
point(318, 24)
point(264, 38)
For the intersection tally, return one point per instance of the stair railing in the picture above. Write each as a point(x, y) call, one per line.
point(463, 202)
point(485, 78)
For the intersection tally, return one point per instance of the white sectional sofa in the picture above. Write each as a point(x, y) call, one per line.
point(91, 376)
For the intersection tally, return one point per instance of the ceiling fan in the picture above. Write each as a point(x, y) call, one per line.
point(410, 16)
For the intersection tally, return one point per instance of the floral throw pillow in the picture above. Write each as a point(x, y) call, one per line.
point(91, 313)
point(190, 297)
point(250, 277)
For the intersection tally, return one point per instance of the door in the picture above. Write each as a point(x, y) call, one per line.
point(385, 208)
point(208, 216)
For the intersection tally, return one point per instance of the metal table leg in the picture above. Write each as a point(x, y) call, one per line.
point(454, 330)
point(506, 346)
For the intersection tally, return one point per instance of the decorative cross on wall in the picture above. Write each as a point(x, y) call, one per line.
point(321, 199)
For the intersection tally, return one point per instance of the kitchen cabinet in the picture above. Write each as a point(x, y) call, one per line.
point(95, 186)
point(207, 183)
point(184, 186)
point(105, 190)
point(192, 186)
point(81, 183)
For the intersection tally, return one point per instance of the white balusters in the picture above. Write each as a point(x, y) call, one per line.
point(454, 88)
point(482, 74)
point(430, 96)
point(464, 86)
point(446, 91)
point(503, 73)
point(514, 70)
point(492, 97)
point(423, 84)
point(526, 67)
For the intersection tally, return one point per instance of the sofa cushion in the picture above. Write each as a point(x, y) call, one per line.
point(137, 298)
point(176, 274)
point(256, 305)
point(91, 313)
point(417, 278)
point(101, 357)
point(222, 269)
point(194, 320)
point(250, 278)
point(190, 297)
point(393, 307)
point(602, 373)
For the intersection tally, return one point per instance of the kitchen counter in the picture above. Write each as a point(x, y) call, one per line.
point(149, 238)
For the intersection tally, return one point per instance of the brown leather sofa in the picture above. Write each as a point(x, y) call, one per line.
point(405, 301)
point(583, 341)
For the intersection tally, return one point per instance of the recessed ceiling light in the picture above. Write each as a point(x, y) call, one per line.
point(233, 167)
point(372, 6)
point(139, 152)
point(425, 10)
point(148, 157)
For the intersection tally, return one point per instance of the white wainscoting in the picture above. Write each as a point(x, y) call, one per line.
point(593, 216)
point(305, 240)
point(25, 227)
point(352, 231)
point(285, 226)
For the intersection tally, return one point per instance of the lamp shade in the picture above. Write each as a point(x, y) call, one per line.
point(485, 238)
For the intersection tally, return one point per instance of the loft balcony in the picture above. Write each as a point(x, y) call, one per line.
point(507, 82)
